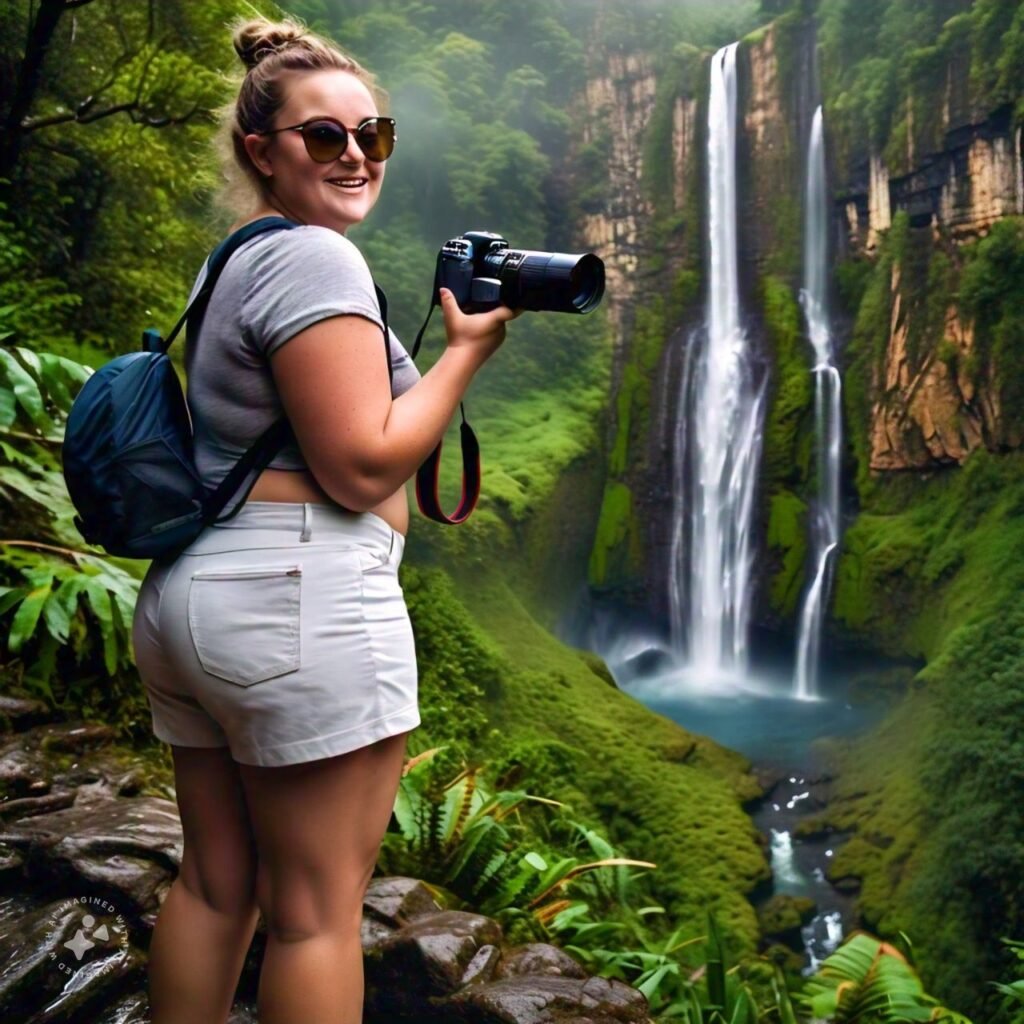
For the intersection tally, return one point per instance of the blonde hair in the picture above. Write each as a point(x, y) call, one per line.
point(270, 50)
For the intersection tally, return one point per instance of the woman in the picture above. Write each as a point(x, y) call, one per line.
point(276, 650)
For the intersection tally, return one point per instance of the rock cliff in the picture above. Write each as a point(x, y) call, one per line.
point(934, 401)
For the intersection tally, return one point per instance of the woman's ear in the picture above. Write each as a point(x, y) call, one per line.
point(257, 146)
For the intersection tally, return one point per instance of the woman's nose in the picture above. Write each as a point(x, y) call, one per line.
point(352, 154)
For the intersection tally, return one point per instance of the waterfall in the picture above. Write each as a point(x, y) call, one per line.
point(824, 523)
point(718, 434)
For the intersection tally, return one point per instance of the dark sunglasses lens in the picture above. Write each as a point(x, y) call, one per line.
point(376, 139)
point(325, 141)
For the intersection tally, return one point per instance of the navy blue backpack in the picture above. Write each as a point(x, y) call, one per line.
point(128, 446)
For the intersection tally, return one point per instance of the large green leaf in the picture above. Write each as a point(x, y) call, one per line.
point(26, 617)
point(26, 389)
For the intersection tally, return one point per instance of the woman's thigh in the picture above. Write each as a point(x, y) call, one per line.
point(318, 828)
point(219, 860)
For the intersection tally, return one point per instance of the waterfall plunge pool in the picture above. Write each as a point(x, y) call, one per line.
point(759, 715)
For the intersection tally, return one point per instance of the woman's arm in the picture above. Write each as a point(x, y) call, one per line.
point(361, 445)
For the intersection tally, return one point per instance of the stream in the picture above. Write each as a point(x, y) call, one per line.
point(758, 715)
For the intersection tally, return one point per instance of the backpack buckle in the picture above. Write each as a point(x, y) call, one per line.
point(151, 340)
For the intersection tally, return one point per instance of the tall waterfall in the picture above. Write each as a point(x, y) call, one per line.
point(824, 524)
point(718, 432)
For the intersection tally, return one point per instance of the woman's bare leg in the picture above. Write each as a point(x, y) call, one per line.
point(318, 829)
point(208, 917)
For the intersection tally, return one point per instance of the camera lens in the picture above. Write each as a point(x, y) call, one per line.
point(554, 281)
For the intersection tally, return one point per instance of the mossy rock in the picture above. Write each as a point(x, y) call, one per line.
point(782, 917)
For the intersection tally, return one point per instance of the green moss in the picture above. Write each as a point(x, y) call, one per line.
point(677, 80)
point(869, 343)
point(990, 294)
point(616, 536)
point(496, 688)
point(787, 536)
point(934, 571)
point(683, 813)
point(787, 442)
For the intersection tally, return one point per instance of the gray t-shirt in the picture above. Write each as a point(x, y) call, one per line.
point(273, 287)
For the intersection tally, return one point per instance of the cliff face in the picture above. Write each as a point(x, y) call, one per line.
point(618, 102)
point(646, 228)
point(934, 403)
point(932, 382)
point(960, 191)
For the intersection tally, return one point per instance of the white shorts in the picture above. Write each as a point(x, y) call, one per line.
point(281, 633)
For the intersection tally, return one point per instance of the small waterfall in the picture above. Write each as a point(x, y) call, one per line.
point(824, 524)
point(718, 435)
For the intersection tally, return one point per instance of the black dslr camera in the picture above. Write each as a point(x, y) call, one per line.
point(483, 273)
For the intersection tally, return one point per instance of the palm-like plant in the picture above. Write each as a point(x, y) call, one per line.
point(458, 834)
point(866, 981)
point(59, 593)
point(1014, 990)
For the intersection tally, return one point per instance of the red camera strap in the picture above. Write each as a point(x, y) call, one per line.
point(427, 479)
point(427, 476)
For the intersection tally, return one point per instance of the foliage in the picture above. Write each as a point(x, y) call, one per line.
point(460, 834)
point(933, 569)
point(990, 296)
point(884, 62)
point(485, 848)
point(1014, 990)
point(870, 982)
point(68, 609)
point(99, 152)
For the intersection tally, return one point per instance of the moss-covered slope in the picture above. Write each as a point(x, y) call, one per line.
point(494, 680)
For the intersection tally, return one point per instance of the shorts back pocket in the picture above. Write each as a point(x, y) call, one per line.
point(245, 622)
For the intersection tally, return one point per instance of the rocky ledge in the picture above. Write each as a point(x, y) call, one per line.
point(87, 856)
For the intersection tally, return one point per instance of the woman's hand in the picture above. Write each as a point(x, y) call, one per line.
point(479, 333)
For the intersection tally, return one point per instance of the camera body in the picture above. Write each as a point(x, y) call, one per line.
point(483, 273)
point(461, 268)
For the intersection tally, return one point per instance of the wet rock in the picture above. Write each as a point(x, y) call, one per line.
point(432, 953)
point(132, 847)
point(396, 900)
point(539, 958)
point(64, 959)
point(481, 967)
point(22, 773)
point(75, 738)
point(17, 713)
point(11, 864)
point(26, 806)
point(546, 999)
point(102, 774)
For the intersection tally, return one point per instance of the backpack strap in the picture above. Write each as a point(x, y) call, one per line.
point(267, 445)
point(270, 442)
point(215, 263)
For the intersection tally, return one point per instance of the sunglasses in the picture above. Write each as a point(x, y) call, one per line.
point(326, 139)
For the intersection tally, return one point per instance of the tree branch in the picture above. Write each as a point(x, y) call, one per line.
point(134, 109)
point(67, 552)
point(29, 76)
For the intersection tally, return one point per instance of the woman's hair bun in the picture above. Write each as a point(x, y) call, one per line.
point(258, 38)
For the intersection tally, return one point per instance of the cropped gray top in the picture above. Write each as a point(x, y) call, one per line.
point(273, 287)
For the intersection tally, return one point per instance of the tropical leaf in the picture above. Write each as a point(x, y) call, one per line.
point(26, 617)
point(25, 388)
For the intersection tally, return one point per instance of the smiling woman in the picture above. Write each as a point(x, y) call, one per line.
point(315, 157)
point(281, 633)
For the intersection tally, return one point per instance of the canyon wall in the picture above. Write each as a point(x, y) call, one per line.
point(928, 388)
